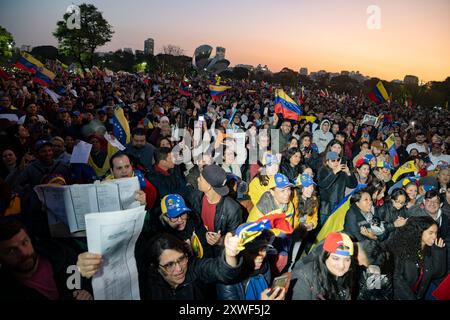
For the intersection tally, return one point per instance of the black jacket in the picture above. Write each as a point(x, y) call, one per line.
point(307, 286)
point(389, 214)
point(354, 220)
point(332, 186)
point(406, 273)
point(290, 172)
point(175, 182)
point(60, 257)
point(200, 273)
point(228, 212)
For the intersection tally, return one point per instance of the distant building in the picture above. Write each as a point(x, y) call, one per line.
point(316, 75)
point(128, 50)
point(396, 81)
point(303, 71)
point(413, 80)
point(138, 52)
point(262, 68)
point(220, 52)
point(26, 48)
point(245, 66)
point(149, 46)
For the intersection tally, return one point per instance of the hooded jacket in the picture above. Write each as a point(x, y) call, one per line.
point(322, 139)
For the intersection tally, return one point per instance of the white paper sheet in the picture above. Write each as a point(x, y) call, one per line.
point(81, 152)
point(70, 204)
point(114, 235)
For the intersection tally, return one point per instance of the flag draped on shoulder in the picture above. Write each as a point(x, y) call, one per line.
point(121, 126)
point(379, 94)
point(336, 220)
point(286, 106)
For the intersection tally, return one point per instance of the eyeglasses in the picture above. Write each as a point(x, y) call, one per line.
point(436, 202)
point(336, 160)
point(183, 217)
point(170, 266)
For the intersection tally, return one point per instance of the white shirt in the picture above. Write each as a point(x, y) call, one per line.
point(443, 159)
point(420, 148)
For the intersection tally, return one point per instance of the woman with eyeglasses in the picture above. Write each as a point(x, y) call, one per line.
point(167, 271)
point(178, 220)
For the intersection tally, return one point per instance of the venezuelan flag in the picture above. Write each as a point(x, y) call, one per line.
point(217, 91)
point(44, 77)
point(277, 222)
point(390, 142)
point(335, 222)
point(379, 93)
point(407, 167)
point(28, 63)
point(286, 106)
point(121, 126)
point(184, 89)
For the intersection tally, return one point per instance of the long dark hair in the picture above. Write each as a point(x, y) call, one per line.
point(406, 242)
point(329, 287)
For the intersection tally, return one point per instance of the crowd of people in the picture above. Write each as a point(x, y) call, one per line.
point(209, 164)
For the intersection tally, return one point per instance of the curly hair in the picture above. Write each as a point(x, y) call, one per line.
point(406, 242)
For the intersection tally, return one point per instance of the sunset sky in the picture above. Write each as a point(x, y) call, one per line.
point(318, 34)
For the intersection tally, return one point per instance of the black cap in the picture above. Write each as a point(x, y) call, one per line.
point(217, 178)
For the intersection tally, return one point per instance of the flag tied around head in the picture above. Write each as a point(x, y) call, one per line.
point(121, 127)
point(379, 94)
point(407, 167)
point(30, 64)
point(390, 142)
point(247, 232)
point(217, 91)
point(286, 106)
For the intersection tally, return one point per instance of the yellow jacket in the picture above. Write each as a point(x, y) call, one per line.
point(312, 218)
point(256, 190)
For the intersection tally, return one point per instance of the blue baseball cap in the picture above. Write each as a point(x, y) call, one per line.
point(279, 180)
point(304, 180)
point(41, 143)
point(428, 187)
point(331, 155)
point(368, 157)
point(173, 205)
point(61, 110)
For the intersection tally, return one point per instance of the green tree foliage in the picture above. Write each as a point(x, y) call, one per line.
point(6, 44)
point(94, 31)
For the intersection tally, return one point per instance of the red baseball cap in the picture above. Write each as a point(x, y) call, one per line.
point(338, 243)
